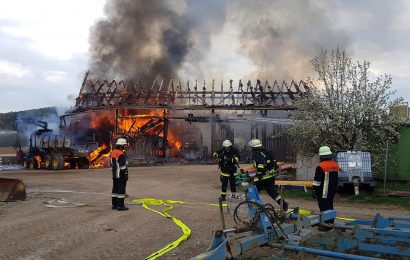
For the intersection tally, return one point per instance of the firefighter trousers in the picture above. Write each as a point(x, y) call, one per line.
point(326, 204)
point(118, 190)
point(232, 184)
point(269, 185)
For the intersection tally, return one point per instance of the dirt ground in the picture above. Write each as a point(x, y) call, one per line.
point(31, 230)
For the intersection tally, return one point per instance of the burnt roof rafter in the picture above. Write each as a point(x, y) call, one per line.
point(96, 95)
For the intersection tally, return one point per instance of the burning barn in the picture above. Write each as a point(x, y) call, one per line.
point(161, 117)
point(168, 120)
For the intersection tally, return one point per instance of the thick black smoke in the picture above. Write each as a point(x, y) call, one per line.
point(144, 40)
point(197, 39)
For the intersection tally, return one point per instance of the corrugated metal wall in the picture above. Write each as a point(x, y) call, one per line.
point(278, 142)
point(272, 136)
point(402, 151)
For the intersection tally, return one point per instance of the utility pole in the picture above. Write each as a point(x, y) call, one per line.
point(385, 167)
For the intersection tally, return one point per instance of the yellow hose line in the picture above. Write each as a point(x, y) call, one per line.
point(347, 219)
point(195, 203)
point(305, 212)
point(185, 229)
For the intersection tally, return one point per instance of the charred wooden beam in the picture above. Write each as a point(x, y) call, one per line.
point(100, 94)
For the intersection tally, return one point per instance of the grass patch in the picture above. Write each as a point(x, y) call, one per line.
point(297, 194)
point(379, 200)
point(400, 186)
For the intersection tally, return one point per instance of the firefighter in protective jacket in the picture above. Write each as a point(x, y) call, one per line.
point(265, 166)
point(119, 174)
point(325, 181)
point(228, 158)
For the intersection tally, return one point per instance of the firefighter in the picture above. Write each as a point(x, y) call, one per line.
point(265, 166)
point(325, 182)
point(119, 174)
point(228, 158)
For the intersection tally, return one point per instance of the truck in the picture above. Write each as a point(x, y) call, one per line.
point(53, 151)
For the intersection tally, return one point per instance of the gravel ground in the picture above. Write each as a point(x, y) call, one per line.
point(87, 228)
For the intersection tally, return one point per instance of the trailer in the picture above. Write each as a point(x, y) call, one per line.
point(356, 171)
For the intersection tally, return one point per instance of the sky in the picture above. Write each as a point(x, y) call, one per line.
point(44, 44)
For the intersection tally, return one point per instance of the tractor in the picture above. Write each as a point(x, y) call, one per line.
point(52, 151)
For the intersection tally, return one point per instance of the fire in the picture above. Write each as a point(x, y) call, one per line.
point(102, 162)
point(174, 142)
point(136, 121)
point(38, 159)
point(131, 123)
point(98, 119)
point(93, 155)
point(100, 157)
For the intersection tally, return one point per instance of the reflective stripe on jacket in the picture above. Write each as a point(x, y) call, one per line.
point(267, 175)
point(326, 172)
point(119, 163)
point(264, 164)
point(228, 159)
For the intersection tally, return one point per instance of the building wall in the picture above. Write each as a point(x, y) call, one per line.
point(306, 167)
point(403, 152)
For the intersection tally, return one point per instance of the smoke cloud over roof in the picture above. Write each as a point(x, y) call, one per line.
point(143, 40)
point(147, 40)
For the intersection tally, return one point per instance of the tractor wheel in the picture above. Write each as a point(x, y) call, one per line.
point(48, 162)
point(57, 162)
point(83, 163)
point(26, 164)
point(33, 164)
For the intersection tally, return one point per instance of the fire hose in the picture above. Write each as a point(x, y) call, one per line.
point(147, 202)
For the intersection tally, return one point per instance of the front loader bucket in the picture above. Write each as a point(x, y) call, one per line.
point(12, 189)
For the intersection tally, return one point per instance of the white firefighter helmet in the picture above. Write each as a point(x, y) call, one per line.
point(121, 141)
point(226, 143)
point(324, 150)
point(255, 143)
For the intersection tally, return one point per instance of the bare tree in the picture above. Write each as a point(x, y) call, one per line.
point(347, 109)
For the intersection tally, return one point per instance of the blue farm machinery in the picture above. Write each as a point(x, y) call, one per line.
point(291, 233)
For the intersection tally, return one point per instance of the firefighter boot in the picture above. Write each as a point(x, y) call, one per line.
point(285, 206)
point(223, 196)
point(324, 228)
point(121, 206)
point(283, 203)
point(114, 202)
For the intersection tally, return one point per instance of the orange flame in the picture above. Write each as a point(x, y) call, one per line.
point(136, 120)
point(38, 159)
point(97, 119)
point(131, 121)
point(174, 142)
point(98, 159)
